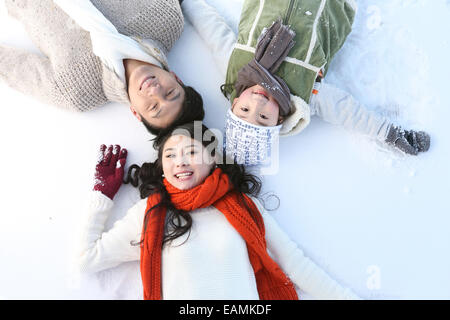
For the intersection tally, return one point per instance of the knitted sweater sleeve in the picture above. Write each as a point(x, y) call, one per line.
point(302, 271)
point(65, 73)
point(213, 30)
point(100, 249)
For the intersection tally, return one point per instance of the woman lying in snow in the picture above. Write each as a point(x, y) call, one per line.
point(99, 51)
point(202, 232)
point(274, 70)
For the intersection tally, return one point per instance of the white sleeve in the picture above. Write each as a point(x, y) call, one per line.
point(303, 272)
point(101, 250)
point(341, 108)
point(213, 30)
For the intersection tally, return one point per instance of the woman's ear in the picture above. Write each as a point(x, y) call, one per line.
point(213, 167)
point(280, 120)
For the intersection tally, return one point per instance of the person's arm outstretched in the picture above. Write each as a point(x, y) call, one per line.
point(302, 271)
point(101, 250)
point(339, 107)
point(213, 30)
point(65, 73)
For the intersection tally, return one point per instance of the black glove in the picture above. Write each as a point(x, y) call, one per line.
point(408, 141)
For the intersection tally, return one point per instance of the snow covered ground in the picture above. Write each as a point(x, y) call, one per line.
point(376, 220)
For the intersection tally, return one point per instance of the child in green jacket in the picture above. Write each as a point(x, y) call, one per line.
point(274, 71)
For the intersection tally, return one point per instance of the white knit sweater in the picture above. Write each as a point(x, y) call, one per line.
point(212, 264)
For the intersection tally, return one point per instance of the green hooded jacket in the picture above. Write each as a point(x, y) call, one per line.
point(321, 27)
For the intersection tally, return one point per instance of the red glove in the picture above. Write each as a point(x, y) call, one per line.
point(109, 170)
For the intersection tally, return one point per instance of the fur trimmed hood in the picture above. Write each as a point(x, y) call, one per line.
point(298, 119)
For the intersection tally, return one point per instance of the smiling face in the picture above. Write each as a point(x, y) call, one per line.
point(257, 107)
point(186, 162)
point(155, 94)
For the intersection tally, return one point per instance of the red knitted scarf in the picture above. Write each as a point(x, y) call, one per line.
point(271, 282)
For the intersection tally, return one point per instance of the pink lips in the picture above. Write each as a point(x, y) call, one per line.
point(149, 83)
point(261, 92)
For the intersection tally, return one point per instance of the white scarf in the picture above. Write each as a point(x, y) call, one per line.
point(249, 144)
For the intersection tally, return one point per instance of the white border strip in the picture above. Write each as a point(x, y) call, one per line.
point(312, 44)
point(258, 15)
point(287, 59)
point(302, 63)
point(244, 47)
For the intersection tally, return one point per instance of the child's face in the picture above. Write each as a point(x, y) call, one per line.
point(186, 162)
point(257, 107)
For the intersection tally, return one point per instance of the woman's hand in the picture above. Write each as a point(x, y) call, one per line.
point(109, 170)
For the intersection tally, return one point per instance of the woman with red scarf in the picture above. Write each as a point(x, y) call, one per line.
point(199, 230)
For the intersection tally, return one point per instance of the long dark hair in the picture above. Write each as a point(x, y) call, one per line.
point(148, 179)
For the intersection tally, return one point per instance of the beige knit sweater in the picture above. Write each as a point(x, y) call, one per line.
point(68, 74)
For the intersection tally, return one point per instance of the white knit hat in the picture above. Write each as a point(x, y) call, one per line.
point(249, 144)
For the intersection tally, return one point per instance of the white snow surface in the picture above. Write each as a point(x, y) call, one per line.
point(376, 220)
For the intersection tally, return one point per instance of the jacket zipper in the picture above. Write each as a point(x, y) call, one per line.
point(289, 12)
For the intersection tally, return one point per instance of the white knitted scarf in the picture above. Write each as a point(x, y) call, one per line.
point(108, 44)
point(249, 144)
